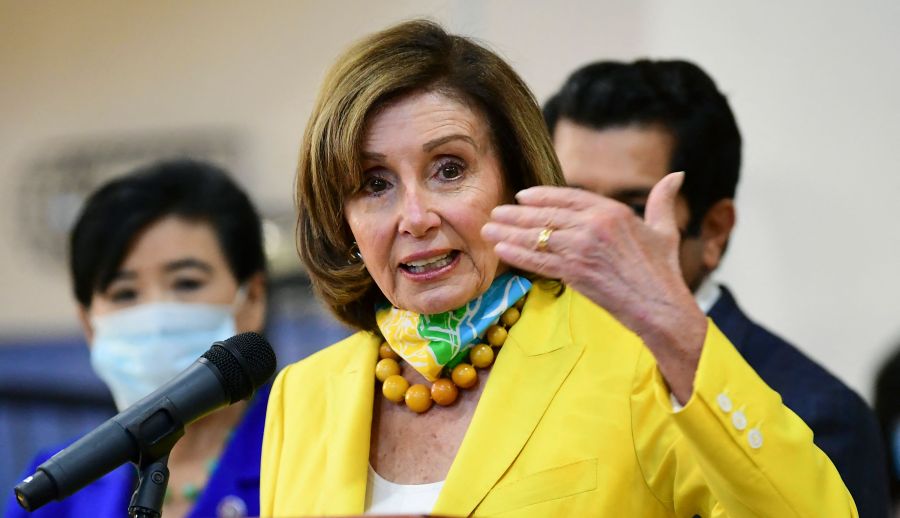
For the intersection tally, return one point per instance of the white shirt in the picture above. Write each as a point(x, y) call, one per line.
point(386, 497)
point(707, 294)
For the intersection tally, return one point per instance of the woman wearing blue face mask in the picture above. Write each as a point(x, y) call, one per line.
point(164, 262)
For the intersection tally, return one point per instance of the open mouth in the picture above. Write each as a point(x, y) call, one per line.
point(431, 264)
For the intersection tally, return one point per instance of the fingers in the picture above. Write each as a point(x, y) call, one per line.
point(547, 265)
point(660, 212)
point(565, 197)
point(521, 237)
point(551, 207)
point(534, 217)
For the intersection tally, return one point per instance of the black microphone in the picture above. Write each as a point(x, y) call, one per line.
point(228, 372)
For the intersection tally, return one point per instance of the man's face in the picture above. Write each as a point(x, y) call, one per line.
point(624, 164)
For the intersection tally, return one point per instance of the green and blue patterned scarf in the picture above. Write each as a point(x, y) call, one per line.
point(432, 343)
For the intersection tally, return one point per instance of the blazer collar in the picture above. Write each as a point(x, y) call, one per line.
point(536, 358)
point(348, 426)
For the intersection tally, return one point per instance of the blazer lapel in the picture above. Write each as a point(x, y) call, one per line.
point(535, 360)
point(348, 426)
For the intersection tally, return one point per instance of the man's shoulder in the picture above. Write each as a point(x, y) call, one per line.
point(844, 426)
point(781, 364)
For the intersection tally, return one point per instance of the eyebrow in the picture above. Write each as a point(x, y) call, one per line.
point(369, 155)
point(427, 147)
point(430, 145)
point(188, 262)
point(123, 275)
point(179, 264)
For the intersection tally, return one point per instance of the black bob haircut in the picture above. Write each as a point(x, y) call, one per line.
point(118, 211)
point(676, 95)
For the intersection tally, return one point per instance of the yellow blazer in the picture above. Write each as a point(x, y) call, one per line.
point(575, 420)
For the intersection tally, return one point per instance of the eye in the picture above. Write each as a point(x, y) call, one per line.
point(374, 184)
point(187, 284)
point(122, 295)
point(450, 169)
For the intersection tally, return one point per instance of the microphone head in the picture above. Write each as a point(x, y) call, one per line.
point(37, 489)
point(246, 361)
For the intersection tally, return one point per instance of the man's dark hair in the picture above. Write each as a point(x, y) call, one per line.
point(115, 214)
point(676, 95)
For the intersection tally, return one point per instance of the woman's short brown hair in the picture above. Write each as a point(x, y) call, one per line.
point(410, 57)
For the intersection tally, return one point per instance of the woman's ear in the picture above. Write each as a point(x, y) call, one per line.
point(84, 318)
point(715, 232)
point(251, 315)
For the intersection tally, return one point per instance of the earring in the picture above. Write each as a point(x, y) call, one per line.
point(355, 254)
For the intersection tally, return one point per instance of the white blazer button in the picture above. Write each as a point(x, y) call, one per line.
point(724, 402)
point(739, 420)
point(755, 438)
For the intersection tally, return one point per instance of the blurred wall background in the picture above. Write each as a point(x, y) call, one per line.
point(88, 88)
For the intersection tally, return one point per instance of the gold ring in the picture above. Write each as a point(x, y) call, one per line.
point(543, 239)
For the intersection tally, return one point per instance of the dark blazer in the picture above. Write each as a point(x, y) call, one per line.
point(843, 425)
point(232, 490)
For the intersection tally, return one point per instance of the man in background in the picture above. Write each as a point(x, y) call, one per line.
point(618, 128)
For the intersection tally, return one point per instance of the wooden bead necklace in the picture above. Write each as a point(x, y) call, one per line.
point(444, 391)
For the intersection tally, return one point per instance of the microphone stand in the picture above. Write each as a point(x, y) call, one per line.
point(153, 478)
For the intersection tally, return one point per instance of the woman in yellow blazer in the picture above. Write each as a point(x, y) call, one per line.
point(574, 422)
point(608, 393)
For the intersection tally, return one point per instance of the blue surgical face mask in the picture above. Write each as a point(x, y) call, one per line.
point(136, 350)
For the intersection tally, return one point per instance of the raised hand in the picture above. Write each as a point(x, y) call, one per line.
point(627, 265)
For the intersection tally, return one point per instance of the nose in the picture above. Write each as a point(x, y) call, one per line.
point(417, 215)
